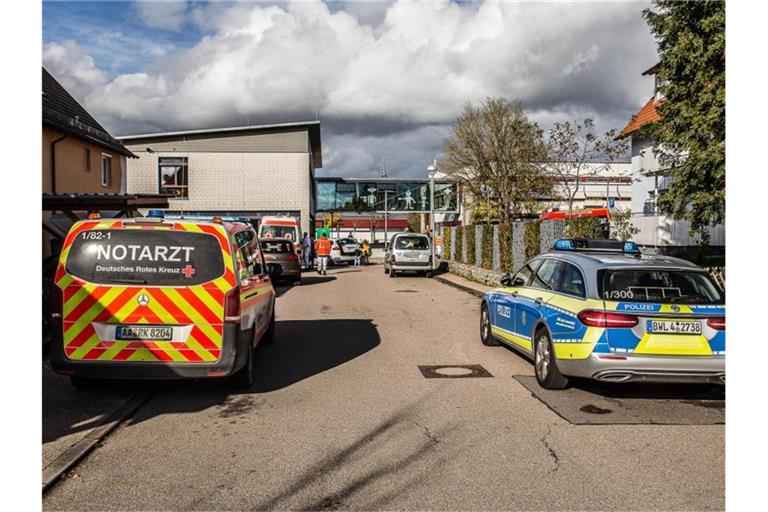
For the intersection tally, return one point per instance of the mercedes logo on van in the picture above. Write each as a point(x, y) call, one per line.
point(142, 299)
point(675, 308)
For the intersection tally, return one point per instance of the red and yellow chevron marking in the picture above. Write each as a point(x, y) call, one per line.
point(86, 304)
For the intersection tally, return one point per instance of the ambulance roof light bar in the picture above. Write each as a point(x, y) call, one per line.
point(596, 245)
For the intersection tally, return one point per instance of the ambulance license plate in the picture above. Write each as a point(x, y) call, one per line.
point(141, 333)
point(673, 327)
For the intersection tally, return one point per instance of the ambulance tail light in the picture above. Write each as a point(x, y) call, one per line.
point(232, 306)
point(717, 323)
point(593, 318)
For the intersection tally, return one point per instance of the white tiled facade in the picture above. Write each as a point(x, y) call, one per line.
point(233, 181)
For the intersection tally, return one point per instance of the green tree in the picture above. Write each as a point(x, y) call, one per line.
point(690, 37)
point(496, 152)
point(621, 227)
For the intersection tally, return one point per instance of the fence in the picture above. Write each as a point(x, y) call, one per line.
point(660, 230)
point(484, 252)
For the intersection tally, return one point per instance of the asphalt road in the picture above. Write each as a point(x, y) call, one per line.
point(342, 417)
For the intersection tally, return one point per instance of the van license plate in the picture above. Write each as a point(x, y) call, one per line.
point(137, 333)
point(673, 327)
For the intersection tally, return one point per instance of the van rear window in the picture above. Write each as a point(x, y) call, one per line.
point(659, 286)
point(144, 256)
point(412, 242)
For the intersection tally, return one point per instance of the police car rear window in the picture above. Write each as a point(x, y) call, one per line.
point(658, 286)
point(144, 256)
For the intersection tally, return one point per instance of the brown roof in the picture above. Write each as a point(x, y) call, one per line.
point(647, 114)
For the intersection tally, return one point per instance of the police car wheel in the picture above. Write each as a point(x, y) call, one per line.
point(485, 328)
point(545, 365)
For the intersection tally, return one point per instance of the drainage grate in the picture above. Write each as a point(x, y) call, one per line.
point(407, 291)
point(453, 371)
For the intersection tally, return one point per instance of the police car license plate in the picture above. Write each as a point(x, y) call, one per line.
point(413, 255)
point(141, 333)
point(673, 327)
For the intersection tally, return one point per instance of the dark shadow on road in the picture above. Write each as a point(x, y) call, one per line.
point(640, 390)
point(281, 288)
point(302, 348)
point(652, 390)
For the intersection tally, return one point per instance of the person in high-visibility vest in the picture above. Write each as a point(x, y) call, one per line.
point(323, 250)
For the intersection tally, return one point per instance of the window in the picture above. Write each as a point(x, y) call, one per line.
point(523, 276)
point(548, 275)
point(106, 170)
point(86, 159)
point(657, 285)
point(572, 281)
point(145, 257)
point(416, 243)
point(174, 176)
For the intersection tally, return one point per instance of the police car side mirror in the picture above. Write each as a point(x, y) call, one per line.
point(506, 280)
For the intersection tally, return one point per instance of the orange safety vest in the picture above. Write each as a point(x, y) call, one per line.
point(323, 247)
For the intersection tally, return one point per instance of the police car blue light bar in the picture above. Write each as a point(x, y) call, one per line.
point(595, 245)
point(158, 214)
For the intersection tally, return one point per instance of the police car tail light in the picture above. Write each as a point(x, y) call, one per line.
point(717, 323)
point(592, 318)
point(232, 306)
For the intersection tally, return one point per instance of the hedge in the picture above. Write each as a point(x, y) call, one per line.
point(505, 248)
point(532, 239)
point(469, 234)
point(446, 243)
point(486, 258)
point(459, 238)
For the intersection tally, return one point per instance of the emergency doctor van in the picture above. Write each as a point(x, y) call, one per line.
point(150, 298)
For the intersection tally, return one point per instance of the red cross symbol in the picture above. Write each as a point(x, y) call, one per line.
point(188, 271)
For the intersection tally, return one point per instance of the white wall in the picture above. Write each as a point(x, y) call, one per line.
point(232, 181)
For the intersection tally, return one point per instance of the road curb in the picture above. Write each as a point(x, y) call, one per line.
point(476, 293)
point(78, 451)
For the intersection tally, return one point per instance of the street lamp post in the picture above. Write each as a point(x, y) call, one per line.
point(432, 169)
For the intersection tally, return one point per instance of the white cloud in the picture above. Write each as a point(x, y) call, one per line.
point(73, 68)
point(399, 74)
point(162, 14)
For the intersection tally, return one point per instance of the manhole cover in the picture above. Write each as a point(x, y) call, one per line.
point(453, 371)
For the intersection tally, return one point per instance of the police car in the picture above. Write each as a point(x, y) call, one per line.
point(598, 309)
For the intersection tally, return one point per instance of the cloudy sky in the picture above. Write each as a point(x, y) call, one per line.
point(386, 79)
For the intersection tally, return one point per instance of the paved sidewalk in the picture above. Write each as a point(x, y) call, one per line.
point(72, 416)
point(461, 283)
